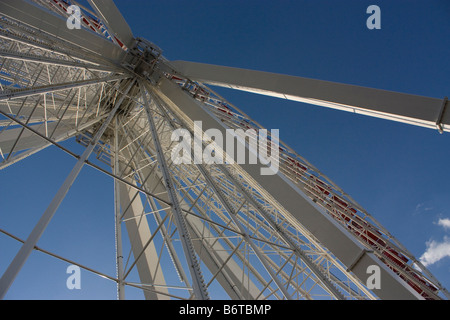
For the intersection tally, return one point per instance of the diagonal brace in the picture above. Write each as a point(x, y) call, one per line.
point(198, 283)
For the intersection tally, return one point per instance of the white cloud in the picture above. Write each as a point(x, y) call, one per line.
point(436, 251)
point(423, 208)
point(444, 223)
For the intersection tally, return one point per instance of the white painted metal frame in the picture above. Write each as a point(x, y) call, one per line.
point(412, 109)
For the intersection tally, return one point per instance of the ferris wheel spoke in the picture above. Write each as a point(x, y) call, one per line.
point(41, 19)
point(55, 62)
point(195, 271)
point(139, 233)
point(62, 52)
point(30, 91)
point(412, 109)
point(114, 21)
point(150, 181)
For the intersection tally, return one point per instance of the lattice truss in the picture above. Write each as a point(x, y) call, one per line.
point(213, 225)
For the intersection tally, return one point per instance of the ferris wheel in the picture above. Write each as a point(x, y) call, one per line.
point(237, 228)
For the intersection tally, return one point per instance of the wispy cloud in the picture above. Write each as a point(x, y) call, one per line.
point(444, 223)
point(436, 251)
point(423, 208)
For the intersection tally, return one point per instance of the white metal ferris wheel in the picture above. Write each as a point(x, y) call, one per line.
point(289, 235)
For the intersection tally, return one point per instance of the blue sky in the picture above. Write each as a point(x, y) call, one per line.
point(397, 172)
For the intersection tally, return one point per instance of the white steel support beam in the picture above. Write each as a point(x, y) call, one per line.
point(70, 52)
point(61, 258)
point(26, 92)
point(151, 181)
point(27, 139)
point(37, 143)
point(114, 21)
point(303, 210)
point(417, 110)
point(198, 284)
point(16, 265)
point(138, 230)
point(52, 61)
point(144, 250)
point(117, 214)
point(42, 19)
